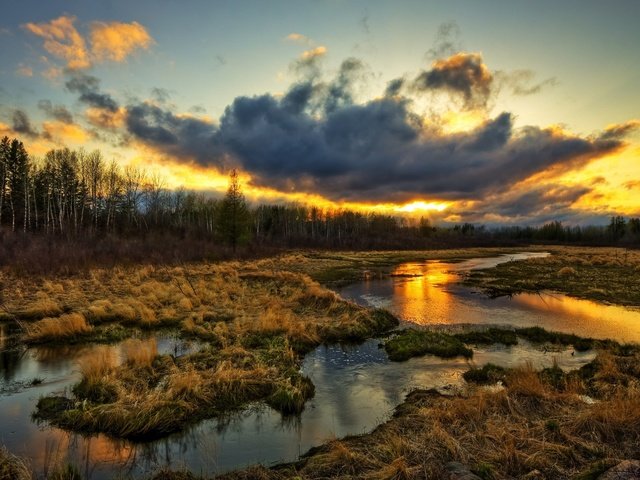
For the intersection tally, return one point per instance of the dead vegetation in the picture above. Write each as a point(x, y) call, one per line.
point(560, 425)
point(255, 325)
point(609, 275)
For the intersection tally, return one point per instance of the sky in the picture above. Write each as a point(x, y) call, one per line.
point(462, 111)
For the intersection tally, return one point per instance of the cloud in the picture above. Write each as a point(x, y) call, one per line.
point(52, 73)
point(24, 71)
point(116, 41)
point(88, 87)
point(632, 185)
point(463, 74)
point(106, 119)
point(298, 38)
point(63, 133)
point(376, 151)
point(446, 41)
point(313, 53)
point(58, 112)
point(542, 203)
point(62, 40)
point(317, 138)
point(22, 124)
point(620, 130)
point(521, 82)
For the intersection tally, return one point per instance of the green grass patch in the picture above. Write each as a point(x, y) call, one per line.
point(413, 343)
point(488, 374)
point(488, 337)
point(540, 335)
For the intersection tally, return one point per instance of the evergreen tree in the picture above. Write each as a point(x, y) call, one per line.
point(233, 215)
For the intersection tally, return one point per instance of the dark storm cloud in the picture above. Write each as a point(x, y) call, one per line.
point(535, 202)
point(182, 137)
point(21, 124)
point(58, 112)
point(88, 88)
point(376, 151)
point(446, 41)
point(620, 130)
point(522, 82)
point(339, 91)
point(527, 206)
point(394, 87)
point(161, 95)
point(463, 74)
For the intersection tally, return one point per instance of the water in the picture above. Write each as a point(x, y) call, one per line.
point(356, 387)
point(427, 294)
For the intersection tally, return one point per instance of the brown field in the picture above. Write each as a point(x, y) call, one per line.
point(255, 320)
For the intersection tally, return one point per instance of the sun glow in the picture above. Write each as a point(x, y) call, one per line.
point(421, 206)
point(463, 121)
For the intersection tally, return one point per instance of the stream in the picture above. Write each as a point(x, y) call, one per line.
point(357, 387)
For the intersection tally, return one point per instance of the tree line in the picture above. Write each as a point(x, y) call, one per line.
point(74, 194)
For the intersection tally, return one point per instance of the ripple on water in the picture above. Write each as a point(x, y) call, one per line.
point(357, 387)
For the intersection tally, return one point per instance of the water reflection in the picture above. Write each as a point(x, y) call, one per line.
point(356, 387)
point(434, 298)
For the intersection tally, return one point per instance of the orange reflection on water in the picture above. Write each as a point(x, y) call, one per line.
point(423, 285)
point(51, 447)
point(585, 316)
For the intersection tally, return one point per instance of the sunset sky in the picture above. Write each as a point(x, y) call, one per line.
point(490, 112)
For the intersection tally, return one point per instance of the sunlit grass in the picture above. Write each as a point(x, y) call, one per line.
point(603, 274)
point(539, 422)
point(63, 327)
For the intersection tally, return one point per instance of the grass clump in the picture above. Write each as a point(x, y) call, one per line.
point(487, 374)
point(540, 335)
point(529, 429)
point(13, 467)
point(413, 343)
point(603, 274)
point(488, 337)
point(290, 398)
point(140, 353)
point(65, 472)
point(68, 326)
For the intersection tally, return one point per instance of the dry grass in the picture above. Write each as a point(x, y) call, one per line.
point(603, 274)
point(567, 272)
point(13, 467)
point(532, 425)
point(140, 353)
point(71, 325)
point(97, 364)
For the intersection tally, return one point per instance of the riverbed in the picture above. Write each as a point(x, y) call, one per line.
point(357, 387)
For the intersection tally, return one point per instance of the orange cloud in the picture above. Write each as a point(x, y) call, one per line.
point(52, 73)
point(314, 52)
point(113, 41)
point(102, 118)
point(24, 71)
point(116, 41)
point(64, 132)
point(62, 40)
point(298, 38)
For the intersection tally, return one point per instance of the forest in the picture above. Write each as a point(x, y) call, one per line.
point(78, 201)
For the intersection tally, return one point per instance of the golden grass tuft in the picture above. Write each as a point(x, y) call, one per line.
point(186, 385)
point(185, 304)
point(567, 272)
point(64, 326)
point(13, 467)
point(42, 307)
point(611, 420)
point(140, 353)
point(526, 381)
point(97, 364)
